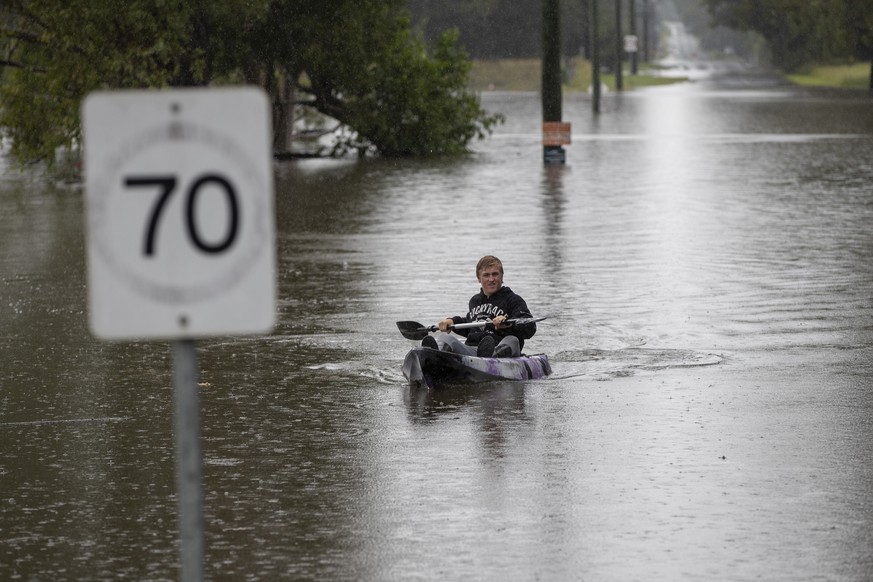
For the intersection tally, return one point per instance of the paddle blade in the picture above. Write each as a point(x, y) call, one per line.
point(412, 330)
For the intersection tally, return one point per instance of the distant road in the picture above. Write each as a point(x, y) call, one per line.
point(683, 56)
point(681, 45)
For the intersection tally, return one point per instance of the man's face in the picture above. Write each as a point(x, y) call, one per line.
point(491, 279)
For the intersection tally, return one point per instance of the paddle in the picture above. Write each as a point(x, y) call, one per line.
point(415, 331)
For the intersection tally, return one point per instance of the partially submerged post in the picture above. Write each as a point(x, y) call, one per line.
point(555, 133)
point(619, 47)
point(647, 15)
point(633, 39)
point(595, 54)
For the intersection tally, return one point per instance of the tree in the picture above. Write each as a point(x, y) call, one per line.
point(859, 26)
point(362, 65)
point(803, 31)
point(719, 38)
point(797, 31)
point(56, 51)
point(358, 60)
point(495, 29)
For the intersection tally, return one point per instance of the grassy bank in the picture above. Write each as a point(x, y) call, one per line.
point(526, 75)
point(855, 76)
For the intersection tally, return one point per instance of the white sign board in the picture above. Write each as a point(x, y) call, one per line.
point(631, 43)
point(180, 219)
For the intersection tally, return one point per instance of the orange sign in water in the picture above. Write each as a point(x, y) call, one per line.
point(556, 133)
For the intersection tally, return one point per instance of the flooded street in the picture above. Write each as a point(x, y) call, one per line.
point(704, 260)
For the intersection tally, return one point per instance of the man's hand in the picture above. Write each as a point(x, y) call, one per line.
point(446, 324)
point(498, 321)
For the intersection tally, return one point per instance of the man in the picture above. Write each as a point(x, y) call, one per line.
point(494, 303)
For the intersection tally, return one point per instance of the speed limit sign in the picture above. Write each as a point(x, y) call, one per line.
point(180, 219)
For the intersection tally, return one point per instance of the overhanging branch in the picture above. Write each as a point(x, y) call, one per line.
point(25, 35)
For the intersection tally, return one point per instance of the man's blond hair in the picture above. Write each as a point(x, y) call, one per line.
point(488, 261)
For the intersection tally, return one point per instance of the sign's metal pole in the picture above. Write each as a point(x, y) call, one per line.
point(189, 460)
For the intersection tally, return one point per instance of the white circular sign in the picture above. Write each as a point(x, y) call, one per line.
point(178, 233)
point(180, 214)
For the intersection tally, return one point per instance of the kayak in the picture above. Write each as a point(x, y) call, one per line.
point(433, 368)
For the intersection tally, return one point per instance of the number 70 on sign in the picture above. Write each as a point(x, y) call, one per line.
point(180, 220)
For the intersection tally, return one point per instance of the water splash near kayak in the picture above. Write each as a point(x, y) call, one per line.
point(608, 364)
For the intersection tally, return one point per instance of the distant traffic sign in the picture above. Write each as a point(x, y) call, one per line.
point(180, 219)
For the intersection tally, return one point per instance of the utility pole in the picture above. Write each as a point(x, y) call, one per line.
point(555, 132)
point(633, 32)
point(619, 48)
point(595, 54)
point(551, 81)
point(646, 31)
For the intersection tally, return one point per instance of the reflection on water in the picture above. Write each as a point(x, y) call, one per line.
point(553, 209)
point(704, 263)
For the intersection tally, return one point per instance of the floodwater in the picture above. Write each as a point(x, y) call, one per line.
point(704, 259)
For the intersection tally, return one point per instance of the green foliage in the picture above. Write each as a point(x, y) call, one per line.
point(364, 67)
point(803, 31)
point(360, 61)
point(414, 103)
point(489, 29)
point(57, 51)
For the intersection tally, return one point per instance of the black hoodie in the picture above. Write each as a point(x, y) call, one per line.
point(505, 303)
